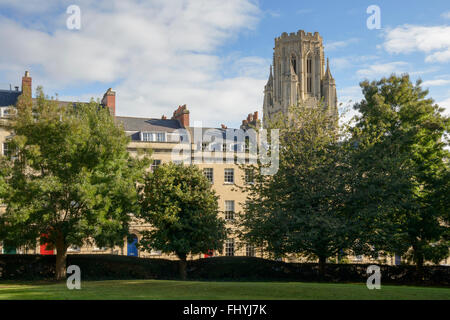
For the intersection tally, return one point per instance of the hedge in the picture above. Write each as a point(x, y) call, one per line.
point(102, 267)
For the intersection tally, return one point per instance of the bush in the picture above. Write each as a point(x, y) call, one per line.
point(93, 267)
point(102, 267)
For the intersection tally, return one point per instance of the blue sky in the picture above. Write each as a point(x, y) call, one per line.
point(214, 55)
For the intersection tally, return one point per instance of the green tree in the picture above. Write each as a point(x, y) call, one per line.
point(303, 207)
point(179, 203)
point(401, 160)
point(69, 178)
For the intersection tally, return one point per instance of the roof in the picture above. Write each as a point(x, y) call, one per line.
point(136, 125)
point(227, 134)
point(148, 124)
point(9, 97)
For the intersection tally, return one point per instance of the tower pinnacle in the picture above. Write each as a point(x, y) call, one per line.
point(298, 75)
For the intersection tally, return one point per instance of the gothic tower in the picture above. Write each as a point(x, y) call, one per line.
point(298, 75)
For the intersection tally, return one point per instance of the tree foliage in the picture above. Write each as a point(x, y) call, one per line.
point(69, 178)
point(303, 208)
point(182, 208)
point(403, 169)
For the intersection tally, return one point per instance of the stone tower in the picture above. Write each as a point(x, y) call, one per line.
point(298, 75)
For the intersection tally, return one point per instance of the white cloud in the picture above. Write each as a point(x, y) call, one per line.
point(347, 97)
point(446, 105)
point(436, 83)
point(433, 41)
point(352, 61)
point(383, 69)
point(446, 15)
point(333, 45)
point(157, 55)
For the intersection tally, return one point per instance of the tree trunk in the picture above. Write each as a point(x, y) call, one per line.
point(61, 256)
point(322, 264)
point(419, 260)
point(182, 266)
point(419, 268)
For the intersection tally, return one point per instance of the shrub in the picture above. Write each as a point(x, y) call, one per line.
point(102, 267)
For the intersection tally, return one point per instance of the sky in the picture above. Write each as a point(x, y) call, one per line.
point(214, 55)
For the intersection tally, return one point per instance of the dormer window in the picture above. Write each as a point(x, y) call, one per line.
point(153, 136)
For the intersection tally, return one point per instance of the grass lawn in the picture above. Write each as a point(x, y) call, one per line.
point(192, 290)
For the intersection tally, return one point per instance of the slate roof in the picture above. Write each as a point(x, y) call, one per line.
point(148, 124)
point(9, 97)
point(214, 132)
point(136, 125)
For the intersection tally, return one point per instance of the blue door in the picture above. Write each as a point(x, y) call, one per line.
point(131, 246)
point(398, 260)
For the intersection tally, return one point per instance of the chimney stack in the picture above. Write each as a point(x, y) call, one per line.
point(223, 126)
point(26, 84)
point(251, 121)
point(109, 101)
point(164, 117)
point(182, 115)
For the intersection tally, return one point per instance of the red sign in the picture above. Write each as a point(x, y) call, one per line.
point(44, 250)
point(209, 254)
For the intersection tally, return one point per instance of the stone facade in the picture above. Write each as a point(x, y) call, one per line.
point(298, 75)
point(160, 135)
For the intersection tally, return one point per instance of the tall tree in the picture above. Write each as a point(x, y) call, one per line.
point(179, 203)
point(69, 178)
point(400, 138)
point(303, 207)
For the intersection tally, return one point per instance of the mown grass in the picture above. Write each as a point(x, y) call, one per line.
point(196, 290)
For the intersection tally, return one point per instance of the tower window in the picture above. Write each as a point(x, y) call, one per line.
point(309, 65)
point(309, 75)
point(294, 64)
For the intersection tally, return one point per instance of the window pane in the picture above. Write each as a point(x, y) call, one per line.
point(6, 148)
point(250, 250)
point(229, 209)
point(155, 164)
point(229, 247)
point(208, 172)
point(160, 136)
point(229, 176)
point(249, 178)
